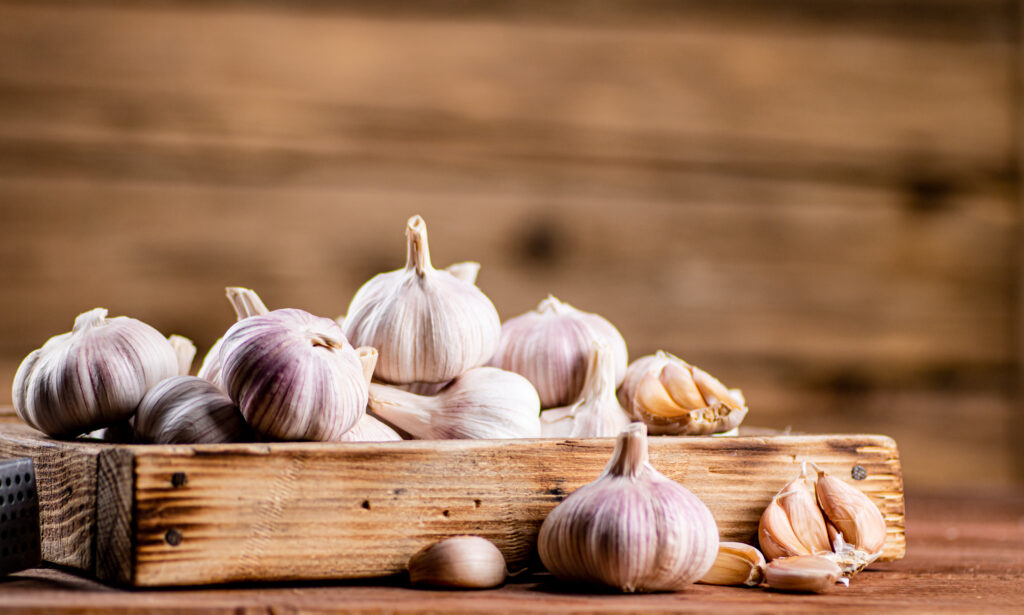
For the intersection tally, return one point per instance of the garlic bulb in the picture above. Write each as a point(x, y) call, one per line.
point(369, 429)
point(246, 303)
point(632, 528)
point(597, 413)
point(294, 376)
point(93, 376)
point(467, 562)
point(550, 347)
point(189, 410)
point(792, 523)
point(673, 397)
point(428, 325)
point(484, 402)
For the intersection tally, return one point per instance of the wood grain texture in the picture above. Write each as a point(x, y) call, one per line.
point(66, 482)
point(115, 500)
point(966, 554)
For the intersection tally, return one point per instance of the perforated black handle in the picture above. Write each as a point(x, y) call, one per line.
point(19, 516)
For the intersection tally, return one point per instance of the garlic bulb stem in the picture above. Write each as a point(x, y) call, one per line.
point(185, 350)
point(417, 253)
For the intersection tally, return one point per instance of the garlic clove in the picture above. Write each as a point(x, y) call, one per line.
point(369, 429)
point(294, 376)
point(466, 562)
point(736, 564)
point(368, 360)
point(597, 413)
point(632, 529)
point(551, 346)
point(792, 523)
point(857, 521)
point(427, 325)
point(678, 383)
point(652, 396)
point(189, 410)
point(484, 402)
point(93, 376)
point(802, 573)
point(712, 390)
point(185, 350)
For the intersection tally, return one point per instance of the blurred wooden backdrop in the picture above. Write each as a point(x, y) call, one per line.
point(814, 200)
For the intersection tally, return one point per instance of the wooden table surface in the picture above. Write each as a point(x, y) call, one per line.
point(965, 554)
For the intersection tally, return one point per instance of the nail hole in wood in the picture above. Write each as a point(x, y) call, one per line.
point(179, 479)
point(366, 504)
point(477, 503)
point(173, 537)
point(447, 513)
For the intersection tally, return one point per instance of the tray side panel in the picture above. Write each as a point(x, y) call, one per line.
point(66, 483)
point(293, 511)
point(115, 555)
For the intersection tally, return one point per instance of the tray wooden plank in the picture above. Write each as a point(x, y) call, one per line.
point(182, 515)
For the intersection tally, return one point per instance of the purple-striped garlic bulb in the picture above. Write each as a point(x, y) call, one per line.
point(294, 376)
point(484, 402)
point(632, 529)
point(673, 397)
point(550, 346)
point(246, 304)
point(92, 377)
point(189, 410)
point(428, 325)
point(596, 413)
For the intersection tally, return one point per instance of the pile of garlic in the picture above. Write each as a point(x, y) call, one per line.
point(420, 353)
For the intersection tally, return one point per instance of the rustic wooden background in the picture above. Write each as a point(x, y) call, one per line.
point(815, 200)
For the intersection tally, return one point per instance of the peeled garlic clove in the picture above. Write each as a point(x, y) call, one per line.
point(189, 410)
point(632, 529)
point(428, 325)
point(369, 429)
point(93, 376)
point(185, 350)
point(859, 522)
point(596, 413)
point(802, 573)
point(246, 304)
point(673, 397)
point(736, 564)
point(468, 562)
point(551, 347)
point(484, 402)
point(792, 523)
point(294, 376)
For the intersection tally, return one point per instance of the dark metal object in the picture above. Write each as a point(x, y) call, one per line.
point(858, 473)
point(19, 516)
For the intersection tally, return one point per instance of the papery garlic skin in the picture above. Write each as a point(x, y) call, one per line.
point(428, 325)
point(467, 562)
point(551, 345)
point(189, 410)
point(485, 403)
point(596, 413)
point(673, 397)
point(93, 376)
point(294, 376)
point(369, 429)
point(246, 303)
point(632, 529)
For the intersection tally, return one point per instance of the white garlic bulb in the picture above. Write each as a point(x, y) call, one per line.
point(246, 303)
point(673, 397)
point(189, 410)
point(93, 376)
point(428, 325)
point(484, 402)
point(597, 413)
point(632, 529)
point(550, 347)
point(369, 429)
point(294, 376)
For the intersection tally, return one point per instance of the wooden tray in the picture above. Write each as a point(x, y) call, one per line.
point(189, 515)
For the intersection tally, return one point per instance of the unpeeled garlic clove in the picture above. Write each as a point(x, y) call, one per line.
point(632, 529)
point(467, 562)
point(792, 523)
point(596, 413)
point(736, 564)
point(484, 402)
point(859, 527)
point(246, 304)
point(428, 325)
point(551, 347)
point(673, 397)
point(93, 376)
point(189, 410)
point(294, 376)
point(802, 573)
